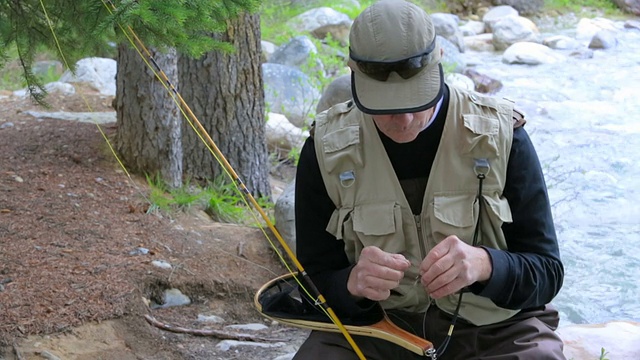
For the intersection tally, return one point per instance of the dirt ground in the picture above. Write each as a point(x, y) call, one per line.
point(72, 283)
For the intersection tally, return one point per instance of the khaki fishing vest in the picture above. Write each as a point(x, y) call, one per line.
point(371, 208)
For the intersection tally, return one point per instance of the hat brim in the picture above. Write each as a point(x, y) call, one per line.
point(397, 95)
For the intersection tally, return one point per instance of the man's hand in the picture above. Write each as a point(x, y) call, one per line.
point(452, 265)
point(376, 273)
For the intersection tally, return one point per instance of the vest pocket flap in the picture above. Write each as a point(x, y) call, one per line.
point(481, 125)
point(375, 219)
point(500, 207)
point(336, 222)
point(456, 210)
point(340, 139)
point(480, 141)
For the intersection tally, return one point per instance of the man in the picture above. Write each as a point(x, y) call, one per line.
point(429, 200)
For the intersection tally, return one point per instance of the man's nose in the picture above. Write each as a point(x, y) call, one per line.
point(403, 118)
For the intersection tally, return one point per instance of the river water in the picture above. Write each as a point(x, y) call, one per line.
point(584, 119)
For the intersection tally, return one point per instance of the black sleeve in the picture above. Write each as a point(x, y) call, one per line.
point(529, 273)
point(319, 252)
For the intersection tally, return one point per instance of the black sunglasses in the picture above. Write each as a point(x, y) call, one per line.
point(406, 68)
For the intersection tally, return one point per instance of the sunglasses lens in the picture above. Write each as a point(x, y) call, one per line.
point(407, 68)
point(376, 71)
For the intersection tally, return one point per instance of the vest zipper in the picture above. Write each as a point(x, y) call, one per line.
point(431, 353)
point(423, 254)
point(423, 249)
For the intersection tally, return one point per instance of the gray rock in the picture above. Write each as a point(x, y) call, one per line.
point(603, 39)
point(524, 7)
point(531, 54)
point(513, 29)
point(297, 52)
point(561, 42)
point(582, 54)
point(338, 91)
point(630, 6)
point(496, 14)
point(322, 21)
point(446, 25)
point(632, 24)
point(290, 92)
point(452, 58)
point(99, 73)
point(483, 83)
point(268, 48)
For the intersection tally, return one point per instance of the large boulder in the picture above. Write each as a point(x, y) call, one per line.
point(323, 21)
point(290, 92)
point(630, 6)
point(337, 92)
point(524, 7)
point(513, 29)
point(99, 73)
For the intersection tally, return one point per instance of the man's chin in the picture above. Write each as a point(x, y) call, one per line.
point(403, 139)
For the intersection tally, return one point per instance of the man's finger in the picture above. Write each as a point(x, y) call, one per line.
point(379, 257)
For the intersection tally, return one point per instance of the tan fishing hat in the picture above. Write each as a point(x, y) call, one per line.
point(395, 59)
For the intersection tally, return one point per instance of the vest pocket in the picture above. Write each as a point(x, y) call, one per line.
point(341, 149)
point(457, 214)
point(480, 139)
point(453, 215)
point(380, 225)
point(377, 225)
point(499, 209)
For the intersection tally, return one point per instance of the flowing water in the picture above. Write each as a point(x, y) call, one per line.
point(584, 119)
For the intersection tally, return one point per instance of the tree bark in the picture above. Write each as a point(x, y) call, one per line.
point(225, 92)
point(149, 135)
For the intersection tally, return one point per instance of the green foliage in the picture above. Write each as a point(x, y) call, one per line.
point(185, 24)
point(603, 354)
point(220, 199)
point(584, 7)
point(162, 197)
point(91, 28)
point(275, 15)
point(223, 202)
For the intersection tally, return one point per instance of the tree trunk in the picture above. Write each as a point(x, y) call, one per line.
point(226, 94)
point(149, 131)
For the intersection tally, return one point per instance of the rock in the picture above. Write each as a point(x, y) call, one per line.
point(524, 7)
point(268, 48)
point(446, 25)
point(174, 297)
point(472, 28)
point(603, 39)
point(630, 6)
point(561, 42)
point(338, 91)
point(99, 73)
point(513, 29)
point(483, 83)
point(620, 339)
point(290, 92)
point(283, 136)
point(632, 24)
point(460, 81)
point(285, 215)
point(482, 42)
point(322, 21)
point(496, 14)
point(531, 54)
point(296, 53)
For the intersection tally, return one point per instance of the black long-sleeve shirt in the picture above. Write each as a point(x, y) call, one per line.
point(526, 275)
